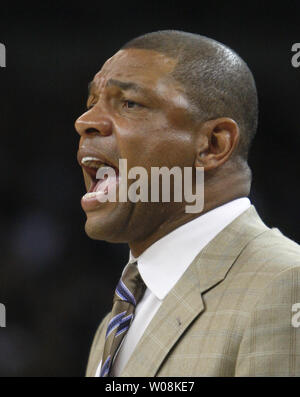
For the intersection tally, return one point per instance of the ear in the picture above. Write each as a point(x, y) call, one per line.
point(216, 142)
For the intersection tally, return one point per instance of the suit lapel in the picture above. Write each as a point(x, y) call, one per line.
point(184, 302)
point(181, 306)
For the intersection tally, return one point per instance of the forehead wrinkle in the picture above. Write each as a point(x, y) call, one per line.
point(127, 58)
point(95, 85)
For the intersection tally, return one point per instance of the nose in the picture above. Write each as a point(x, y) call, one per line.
point(93, 123)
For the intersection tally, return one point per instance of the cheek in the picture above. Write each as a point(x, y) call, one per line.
point(174, 148)
point(132, 146)
point(152, 143)
point(168, 150)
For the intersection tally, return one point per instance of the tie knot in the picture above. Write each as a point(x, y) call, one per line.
point(131, 286)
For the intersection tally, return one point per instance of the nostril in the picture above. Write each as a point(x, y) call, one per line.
point(91, 130)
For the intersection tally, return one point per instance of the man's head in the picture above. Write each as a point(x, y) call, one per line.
point(169, 99)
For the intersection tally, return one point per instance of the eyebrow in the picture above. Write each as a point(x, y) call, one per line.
point(124, 85)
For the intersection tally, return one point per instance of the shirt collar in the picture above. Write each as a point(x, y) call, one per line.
point(163, 263)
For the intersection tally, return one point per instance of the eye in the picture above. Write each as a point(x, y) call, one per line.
point(128, 104)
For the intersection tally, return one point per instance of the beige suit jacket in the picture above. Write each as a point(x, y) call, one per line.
point(229, 315)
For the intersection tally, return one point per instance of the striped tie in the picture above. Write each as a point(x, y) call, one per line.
point(129, 291)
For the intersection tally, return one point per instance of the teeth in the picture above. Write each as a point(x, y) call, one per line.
point(90, 195)
point(85, 159)
point(92, 162)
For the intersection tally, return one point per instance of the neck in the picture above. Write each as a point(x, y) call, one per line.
point(215, 195)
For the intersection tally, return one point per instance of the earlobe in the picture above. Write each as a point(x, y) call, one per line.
point(222, 138)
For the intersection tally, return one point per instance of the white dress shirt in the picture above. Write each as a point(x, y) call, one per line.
point(163, 263)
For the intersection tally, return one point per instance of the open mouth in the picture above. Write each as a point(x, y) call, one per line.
point(103, 176)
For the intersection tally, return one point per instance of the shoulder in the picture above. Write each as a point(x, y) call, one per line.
point(272, 252)
point(266, 271)
point(270, 337)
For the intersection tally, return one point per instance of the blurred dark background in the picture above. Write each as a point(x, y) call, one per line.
point(56, 283)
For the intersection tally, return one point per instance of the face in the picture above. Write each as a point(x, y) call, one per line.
point(138, 112)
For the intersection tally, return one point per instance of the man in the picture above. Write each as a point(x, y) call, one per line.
point(219, 285)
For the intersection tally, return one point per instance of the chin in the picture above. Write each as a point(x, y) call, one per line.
point(111, 227)
point(96, 232)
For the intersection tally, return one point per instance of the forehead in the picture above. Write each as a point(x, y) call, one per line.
point(145, 66)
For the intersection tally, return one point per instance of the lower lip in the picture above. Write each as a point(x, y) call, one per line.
point(90, 201)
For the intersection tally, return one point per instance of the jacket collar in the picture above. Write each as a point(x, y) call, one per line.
point(164, 262)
